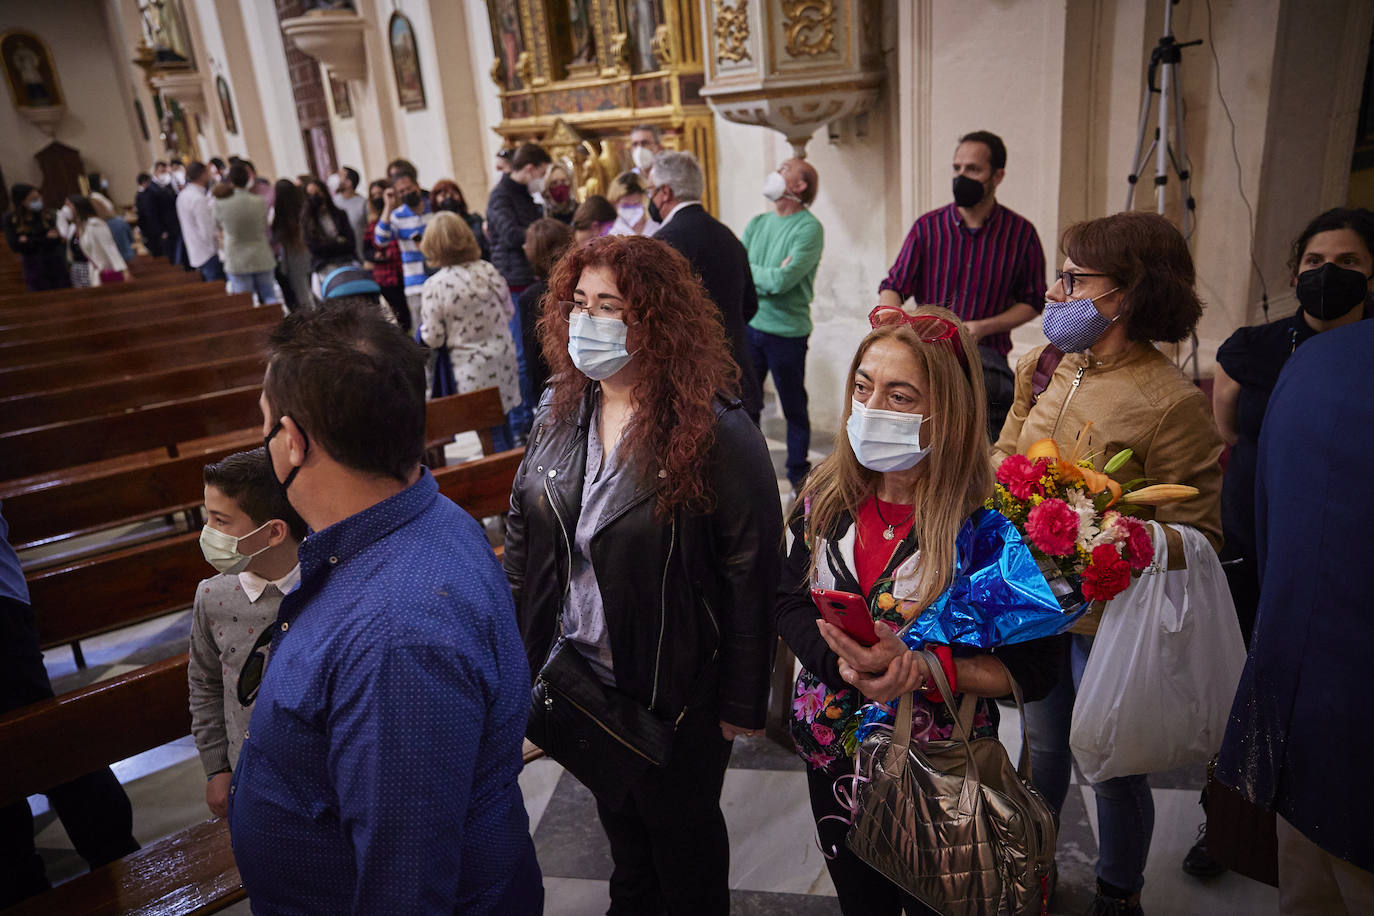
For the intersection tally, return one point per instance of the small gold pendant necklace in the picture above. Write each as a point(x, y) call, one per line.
point(891, 531)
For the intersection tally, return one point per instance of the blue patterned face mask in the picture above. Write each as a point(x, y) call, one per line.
point(597, 345)
point(1075, 324)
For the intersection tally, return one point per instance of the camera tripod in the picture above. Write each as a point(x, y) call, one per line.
point(1164, 61)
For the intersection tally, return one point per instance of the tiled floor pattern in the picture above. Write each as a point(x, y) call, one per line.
point(775, 865)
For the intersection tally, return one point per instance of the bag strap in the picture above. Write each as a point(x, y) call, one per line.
point(1049, 361)
point(1023, 764)
point(901, 737)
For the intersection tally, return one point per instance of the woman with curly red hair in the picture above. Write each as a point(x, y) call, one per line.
point(641, 547)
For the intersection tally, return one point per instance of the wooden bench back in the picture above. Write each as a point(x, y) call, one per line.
point(60, 508)
point(97, 594)
point(114, 319)
point(48, 743)
point(93, 399)
point(138, 359)
point(46, 448)
point(67, 309)
point(167, 333)
point(149, 283)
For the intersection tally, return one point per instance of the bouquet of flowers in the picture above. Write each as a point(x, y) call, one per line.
point(1077, 520)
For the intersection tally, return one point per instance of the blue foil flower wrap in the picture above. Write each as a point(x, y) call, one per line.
point(998, 596)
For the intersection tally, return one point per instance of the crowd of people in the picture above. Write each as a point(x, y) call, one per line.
point(649, 567)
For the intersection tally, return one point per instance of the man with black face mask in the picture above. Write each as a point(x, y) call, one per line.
point(978, 259)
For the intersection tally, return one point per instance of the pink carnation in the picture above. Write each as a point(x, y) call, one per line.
point(1137, 548)
point(1053, 527)
point(1021, 476)
point(822, 734)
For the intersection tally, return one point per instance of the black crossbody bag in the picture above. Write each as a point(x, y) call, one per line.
point(600, 735)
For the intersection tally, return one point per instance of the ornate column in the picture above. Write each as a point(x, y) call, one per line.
point(792, 65)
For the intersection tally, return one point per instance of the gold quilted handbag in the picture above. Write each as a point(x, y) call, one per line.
point(953, 824)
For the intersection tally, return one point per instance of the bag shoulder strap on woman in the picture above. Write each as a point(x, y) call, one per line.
point(1049, 361)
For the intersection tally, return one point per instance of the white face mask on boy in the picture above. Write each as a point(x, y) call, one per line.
point(222, 550)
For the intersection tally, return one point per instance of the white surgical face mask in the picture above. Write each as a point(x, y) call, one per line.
point(163, 178)
point(631, 213)
point(536, 185)
point(222, 550)
point(597, 345)
point(885, 440)
point(333, 183)
point(643, 158)
point(774, 186)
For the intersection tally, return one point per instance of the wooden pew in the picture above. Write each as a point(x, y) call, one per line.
point(150, 281)
point(61, 507)
point(52, 742)
point(47, 448)
point(137, 314)
point(129, 299)
point(43, 408)
point(74, 346)
point(137, 359)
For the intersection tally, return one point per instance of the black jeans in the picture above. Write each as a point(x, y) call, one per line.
point(862, 890)
point(93, 808)
point(668, 837)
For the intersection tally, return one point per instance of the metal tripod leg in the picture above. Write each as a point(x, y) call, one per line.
point(1141, 153)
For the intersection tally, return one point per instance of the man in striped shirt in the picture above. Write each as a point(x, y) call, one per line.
point(406, 224)
point(980, 260)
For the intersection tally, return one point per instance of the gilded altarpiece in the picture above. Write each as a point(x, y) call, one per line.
point(577, 75)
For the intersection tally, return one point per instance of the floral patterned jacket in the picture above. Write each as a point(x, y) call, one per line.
point(826, 712)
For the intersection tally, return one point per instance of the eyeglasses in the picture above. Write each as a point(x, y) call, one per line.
point(250, 675)
point(595, 310)
point(1069, 277)
point(929, 328)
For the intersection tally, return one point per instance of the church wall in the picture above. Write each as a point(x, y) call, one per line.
point(98, 120)
point(285, 148)
point(348, 148)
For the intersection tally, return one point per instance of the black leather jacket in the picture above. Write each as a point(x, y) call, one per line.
point(688, 601)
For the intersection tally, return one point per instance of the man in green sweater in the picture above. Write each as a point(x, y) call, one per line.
point(784, 248)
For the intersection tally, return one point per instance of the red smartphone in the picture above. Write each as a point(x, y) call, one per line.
point(847, 611)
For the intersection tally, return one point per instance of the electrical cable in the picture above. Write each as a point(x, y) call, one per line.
point(1235, 154)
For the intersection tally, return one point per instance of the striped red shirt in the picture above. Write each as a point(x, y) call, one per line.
point(976, 273)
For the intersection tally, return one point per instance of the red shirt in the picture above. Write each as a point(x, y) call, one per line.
point(873, 551)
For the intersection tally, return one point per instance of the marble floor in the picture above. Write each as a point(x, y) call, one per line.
point(776, 867)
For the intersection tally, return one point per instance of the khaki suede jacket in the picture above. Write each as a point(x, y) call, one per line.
point(1136, 399)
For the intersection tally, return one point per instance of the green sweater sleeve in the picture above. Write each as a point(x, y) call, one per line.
point(804, 249)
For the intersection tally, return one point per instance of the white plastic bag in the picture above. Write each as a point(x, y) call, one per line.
point(1163, 670)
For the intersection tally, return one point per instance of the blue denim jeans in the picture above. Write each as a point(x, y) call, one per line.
point(785, 357)
point(260, 283)
point(212, 269)
point(1125, 807)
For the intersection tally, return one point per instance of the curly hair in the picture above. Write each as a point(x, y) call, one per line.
point(680, 348)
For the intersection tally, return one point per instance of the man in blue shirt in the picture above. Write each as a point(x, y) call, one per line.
point(379, 770)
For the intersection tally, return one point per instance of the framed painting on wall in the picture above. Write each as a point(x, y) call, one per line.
point(405, 61)
point(338, 91)
point(29, 70)
point(226, 105)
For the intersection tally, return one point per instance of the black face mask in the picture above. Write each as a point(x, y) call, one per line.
point(653, 211)
point(1330, 292)
point(267, 444)
point(450, 205)
point(379, 203)
point(968, 192)
point(412, 200)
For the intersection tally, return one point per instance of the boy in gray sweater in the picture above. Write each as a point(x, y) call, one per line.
point(251, 535)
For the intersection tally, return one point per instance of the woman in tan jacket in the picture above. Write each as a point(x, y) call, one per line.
point(1127, 280)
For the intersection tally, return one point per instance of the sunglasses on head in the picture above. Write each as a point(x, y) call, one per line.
point(929, 328)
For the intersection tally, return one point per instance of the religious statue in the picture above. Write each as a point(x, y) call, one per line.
point(165, 31)
point(583, 32)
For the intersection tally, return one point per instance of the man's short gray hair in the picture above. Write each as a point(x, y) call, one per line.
point(680, 172)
